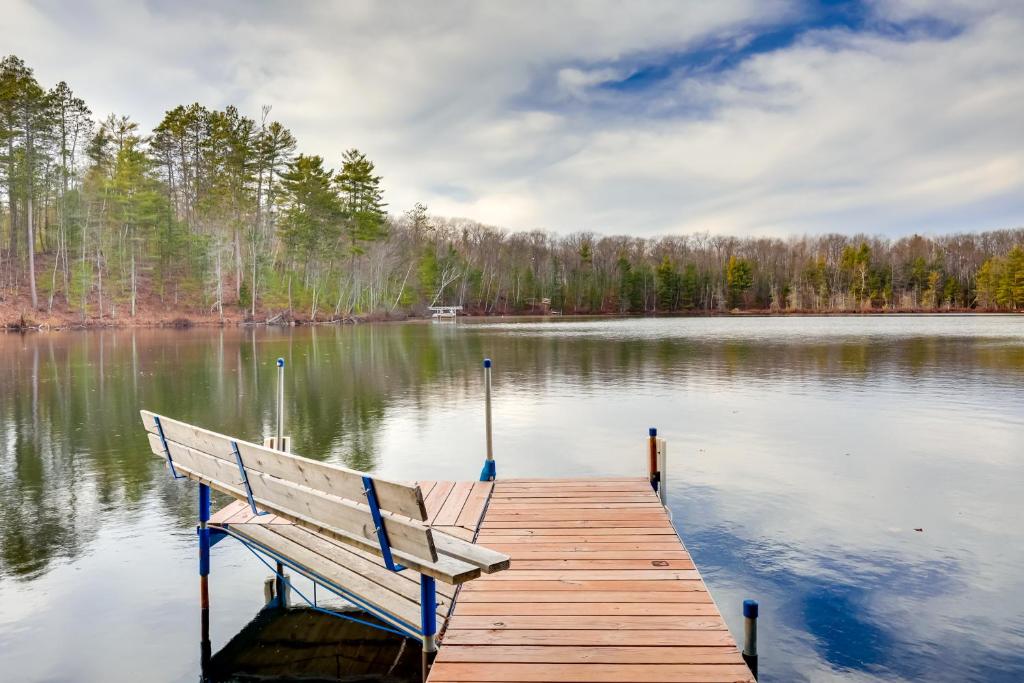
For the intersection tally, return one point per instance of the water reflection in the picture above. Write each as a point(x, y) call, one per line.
point(804, 454)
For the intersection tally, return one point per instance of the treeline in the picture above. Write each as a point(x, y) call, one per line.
point(213, 211)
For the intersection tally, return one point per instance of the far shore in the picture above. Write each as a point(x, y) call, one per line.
point(25, 321)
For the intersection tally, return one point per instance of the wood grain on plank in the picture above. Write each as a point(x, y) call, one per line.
point(574, 564)
point(591, 608)
point(435, 500)
point(459, 672)
point(538, 546)
point(625, 534)
point(489, 524)
point(559, 654)
point(528, 553)
point(449, 513)
point(597, 575)
point(591, 638)
point(613, 622)
point(567, 582)
point(582, 596)
point(478, 499)
point(562, 504)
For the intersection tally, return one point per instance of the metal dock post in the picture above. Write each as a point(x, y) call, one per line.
point(652, 457)
point(489, 472)
point(750, 610)
point(428, 620)
point(205, 651)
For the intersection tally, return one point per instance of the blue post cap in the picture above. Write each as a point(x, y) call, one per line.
point(487, 362)
point(280, 362)
point(750, 609)
point(653, 431)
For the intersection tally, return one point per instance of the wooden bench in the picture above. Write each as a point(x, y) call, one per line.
point(367, 536)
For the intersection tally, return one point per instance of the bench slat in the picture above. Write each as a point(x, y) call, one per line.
point(405, 583)
point(489, 561)
point(396, 497)
point(392, 604)
point(446, 568)
point(294, 500)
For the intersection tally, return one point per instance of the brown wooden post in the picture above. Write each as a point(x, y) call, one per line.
point(652, 457)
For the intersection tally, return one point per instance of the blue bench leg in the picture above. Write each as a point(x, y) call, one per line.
point(428, 619)
point(204, 574)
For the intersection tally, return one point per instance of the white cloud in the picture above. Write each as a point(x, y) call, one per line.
point(496, 111)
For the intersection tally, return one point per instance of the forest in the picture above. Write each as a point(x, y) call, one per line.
point(214, 214)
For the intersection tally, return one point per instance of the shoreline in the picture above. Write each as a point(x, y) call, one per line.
point(24, 324)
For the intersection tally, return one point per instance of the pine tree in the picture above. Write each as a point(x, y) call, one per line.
point(739, 277)
point(28, 127)
point(362, 200)
point(310, 224)
point(668, 285)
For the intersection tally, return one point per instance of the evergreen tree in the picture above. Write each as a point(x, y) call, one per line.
point(362, 200)
point(739, 277)
point(668, 285)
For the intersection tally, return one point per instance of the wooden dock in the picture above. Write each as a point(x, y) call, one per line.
point(501, 580)
point(517, 580)
point(600, 589)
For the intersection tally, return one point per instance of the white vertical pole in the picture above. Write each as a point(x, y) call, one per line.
point(280, 404)
point(489, 472)
point(487, 403)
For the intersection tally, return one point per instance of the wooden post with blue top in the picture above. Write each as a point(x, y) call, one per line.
point(750, 610)
point(652, 458)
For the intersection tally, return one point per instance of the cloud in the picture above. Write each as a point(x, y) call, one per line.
point(642, 118)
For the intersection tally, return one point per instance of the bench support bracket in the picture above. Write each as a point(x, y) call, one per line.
point(245, 480)
point(378, 522)
point(167, 450)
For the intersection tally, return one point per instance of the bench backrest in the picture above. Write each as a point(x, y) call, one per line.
point(317, 495)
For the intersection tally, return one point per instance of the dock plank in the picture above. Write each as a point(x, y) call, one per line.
point(591, 638)
point(436, 498)
point(478, 499)
point(600, 590)
point(558, 654)
point(644, 622)
point(576, 672)
point(565, 597)
point(593, 606)
point(449, 513)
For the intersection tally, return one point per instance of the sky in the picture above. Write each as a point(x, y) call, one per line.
point(742, 117)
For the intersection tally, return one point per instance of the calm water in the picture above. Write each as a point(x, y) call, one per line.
point(804, 455)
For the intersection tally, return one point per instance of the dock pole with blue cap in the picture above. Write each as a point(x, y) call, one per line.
point(280, 404)
point(489, 472)
point(750, 635)
point(277, 586)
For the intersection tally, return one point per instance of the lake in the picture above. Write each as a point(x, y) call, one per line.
point(860, 476)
